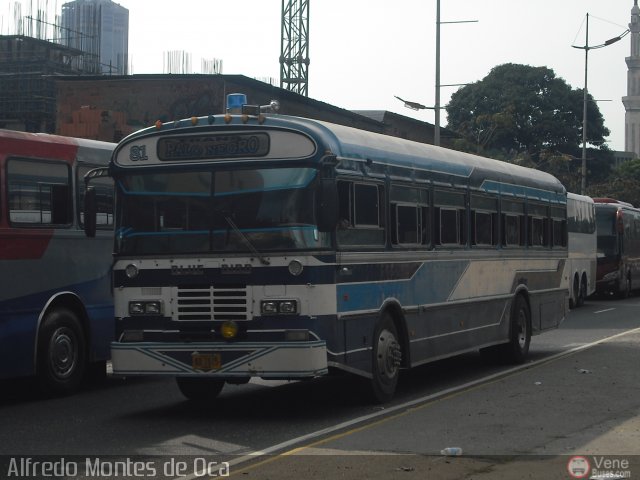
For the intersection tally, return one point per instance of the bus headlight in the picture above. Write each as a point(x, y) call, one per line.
point(282, 307)
point(268, 308)
point(131, 271)
point(295, 267)
point(288, 307)
point(145, 307)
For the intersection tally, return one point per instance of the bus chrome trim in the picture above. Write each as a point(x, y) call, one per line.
point(263, 359)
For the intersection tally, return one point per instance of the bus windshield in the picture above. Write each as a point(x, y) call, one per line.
point(217, 211)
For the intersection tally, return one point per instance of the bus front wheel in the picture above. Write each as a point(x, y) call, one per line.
point(200, 389)
point(387, 355)
point(61, 352)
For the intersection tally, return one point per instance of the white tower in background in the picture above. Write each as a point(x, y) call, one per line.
point(632, 100)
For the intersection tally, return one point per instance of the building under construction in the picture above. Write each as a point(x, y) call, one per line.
point(90, 38)
point(28, 67)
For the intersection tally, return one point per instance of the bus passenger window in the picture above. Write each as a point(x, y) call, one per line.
point(511, 230)
point(483, 228)
point(407, 225)
point(536, 232)
point(360, 218)
point(559, 233)
point(366, 211)
point(38, 192)
point(449, 227)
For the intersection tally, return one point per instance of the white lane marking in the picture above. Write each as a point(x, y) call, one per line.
point(605, 310)
point(412, 403)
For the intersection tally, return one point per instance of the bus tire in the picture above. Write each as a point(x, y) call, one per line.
point(200, 389)
point(582, 296)
point(387, 356)
point(624, 289)
point(575, 293)
point(62, 353)
point(517, 349)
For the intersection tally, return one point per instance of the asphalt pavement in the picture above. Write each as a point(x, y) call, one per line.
point(575, 416)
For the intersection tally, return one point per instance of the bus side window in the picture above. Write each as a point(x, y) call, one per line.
point(512, 223)
point(450, 218)
point(538, 223)
point(558, 228)
point(484, 214)
point(409, 215)
point(360, 214)
point(39, 192)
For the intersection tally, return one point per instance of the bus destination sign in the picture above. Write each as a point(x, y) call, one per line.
point(211, 147)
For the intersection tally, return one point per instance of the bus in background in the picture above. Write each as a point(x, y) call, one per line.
point(618, 228)
point(581, 267)
point(56, 305)
point(261, 245)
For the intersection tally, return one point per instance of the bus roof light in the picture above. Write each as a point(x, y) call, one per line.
point(235, 101)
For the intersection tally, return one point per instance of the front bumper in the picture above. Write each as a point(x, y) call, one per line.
point(281, 360)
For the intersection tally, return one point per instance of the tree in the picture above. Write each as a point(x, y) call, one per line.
point(622, 184)
point(519, 109)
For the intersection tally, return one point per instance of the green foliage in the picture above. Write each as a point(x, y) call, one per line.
point(524, 110)
point(622, 184)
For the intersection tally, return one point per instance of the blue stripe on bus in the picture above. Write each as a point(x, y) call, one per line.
point(439, 279)
point(522, 191)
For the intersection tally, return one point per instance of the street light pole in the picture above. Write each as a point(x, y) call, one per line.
point(436, 129)
point(583, 181)
point(586, 48)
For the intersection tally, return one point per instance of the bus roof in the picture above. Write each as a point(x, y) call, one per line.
point(385, 152)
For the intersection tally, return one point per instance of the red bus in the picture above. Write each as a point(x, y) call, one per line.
point(618, 230)
point(56, 307)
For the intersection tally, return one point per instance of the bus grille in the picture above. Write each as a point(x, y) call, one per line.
point(219, 302)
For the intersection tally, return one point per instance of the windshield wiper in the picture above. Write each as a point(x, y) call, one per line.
point(245, 240)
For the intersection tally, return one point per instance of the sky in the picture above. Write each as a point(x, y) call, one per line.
point(365, 52)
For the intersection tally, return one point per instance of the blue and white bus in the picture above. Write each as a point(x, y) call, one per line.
point(56, 306)
point(278, 247)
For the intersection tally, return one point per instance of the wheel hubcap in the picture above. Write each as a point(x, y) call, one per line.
point(389, 354)
point(63, 354)
point(522, 330)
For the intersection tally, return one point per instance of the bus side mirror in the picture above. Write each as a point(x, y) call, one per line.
point(327, 205)
point(90, 212)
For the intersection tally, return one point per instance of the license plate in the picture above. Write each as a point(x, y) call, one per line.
point(206, 362)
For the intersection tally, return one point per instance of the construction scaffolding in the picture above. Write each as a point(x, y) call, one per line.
point(294, 46)
point(30, 57)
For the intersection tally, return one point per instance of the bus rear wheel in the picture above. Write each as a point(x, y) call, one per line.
point(61, 353)
point(387, 356)
point(517, 349)
point(200, 389)
point(574, 299)
point(624, 290)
